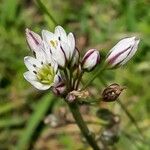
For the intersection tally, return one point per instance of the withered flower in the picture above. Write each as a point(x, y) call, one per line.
point(112, 92)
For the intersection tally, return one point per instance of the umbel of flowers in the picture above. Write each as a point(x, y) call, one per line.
point(58, 65)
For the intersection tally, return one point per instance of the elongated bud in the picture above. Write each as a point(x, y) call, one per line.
point(75, 58)
point(90, 59)
point(122, 52)
point(33, 39)
point(59, 89)
point(112, 92)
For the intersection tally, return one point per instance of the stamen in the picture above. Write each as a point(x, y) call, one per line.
point(53, 43)
point(46, 74)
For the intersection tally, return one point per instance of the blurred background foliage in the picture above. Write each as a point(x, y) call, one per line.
point(96, 24)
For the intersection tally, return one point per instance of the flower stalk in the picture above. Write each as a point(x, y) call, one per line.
point(82, 125)
point(93, 77)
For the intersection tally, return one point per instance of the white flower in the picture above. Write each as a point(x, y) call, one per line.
point(62, 46)
point(90, 59)
point(42, 70)
point(122, 52)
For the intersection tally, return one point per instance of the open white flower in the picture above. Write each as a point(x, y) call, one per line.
point(42, 70)
point(62, 46)
point(122, 52)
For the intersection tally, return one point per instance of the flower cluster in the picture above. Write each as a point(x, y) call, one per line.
point(57, 63)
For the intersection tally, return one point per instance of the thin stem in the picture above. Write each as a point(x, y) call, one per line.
point(78, 80)
point(44, 9)
point(67, 79)
point(130, 117)
point(71, 78)
point(93, 78)
point(82, 125)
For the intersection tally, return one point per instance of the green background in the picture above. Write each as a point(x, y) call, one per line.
point(96, 24)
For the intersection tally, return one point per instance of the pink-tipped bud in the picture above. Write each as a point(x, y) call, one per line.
point(122, 52)
point(90, 60)
point(59, 89)
point(33, 39)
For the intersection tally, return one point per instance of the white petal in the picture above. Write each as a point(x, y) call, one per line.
point(90, 59)
point(30, 76)
point(33, 80)
point(36, 44)
point(54, 65)
point(60, 33)
point(56, 79)
point(33, 39)
point(41, 55)
point(121, 45)
point(91, 62)
point(71, 43)
point(121, 58)
point(66, 50)
point(47, 36)
point(134, 49)
point(47, 50)
point(31, 63)
point(75, 58)
point(59, 56)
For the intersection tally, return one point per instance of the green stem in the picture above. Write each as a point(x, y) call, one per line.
point(83, 127)
point(93, 78)
point(130, 117)
point(44, 9)
point(67, 79)
point(78, 80)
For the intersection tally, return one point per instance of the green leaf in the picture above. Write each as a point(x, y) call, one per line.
point(9, 121)
point(35, 119)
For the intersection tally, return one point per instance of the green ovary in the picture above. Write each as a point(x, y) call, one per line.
point(46, 74)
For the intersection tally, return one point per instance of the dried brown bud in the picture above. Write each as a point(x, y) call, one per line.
point(77, 94)
point(112, 92)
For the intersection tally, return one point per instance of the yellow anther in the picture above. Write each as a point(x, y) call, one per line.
point(46, 74)
point(54, 43)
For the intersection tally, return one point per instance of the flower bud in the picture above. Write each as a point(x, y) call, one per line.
point(112, 92)
point(33, 39)
point(122, 52)
point(90, 59)
point(59, 89)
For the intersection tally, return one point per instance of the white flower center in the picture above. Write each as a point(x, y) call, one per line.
point(46, 74)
